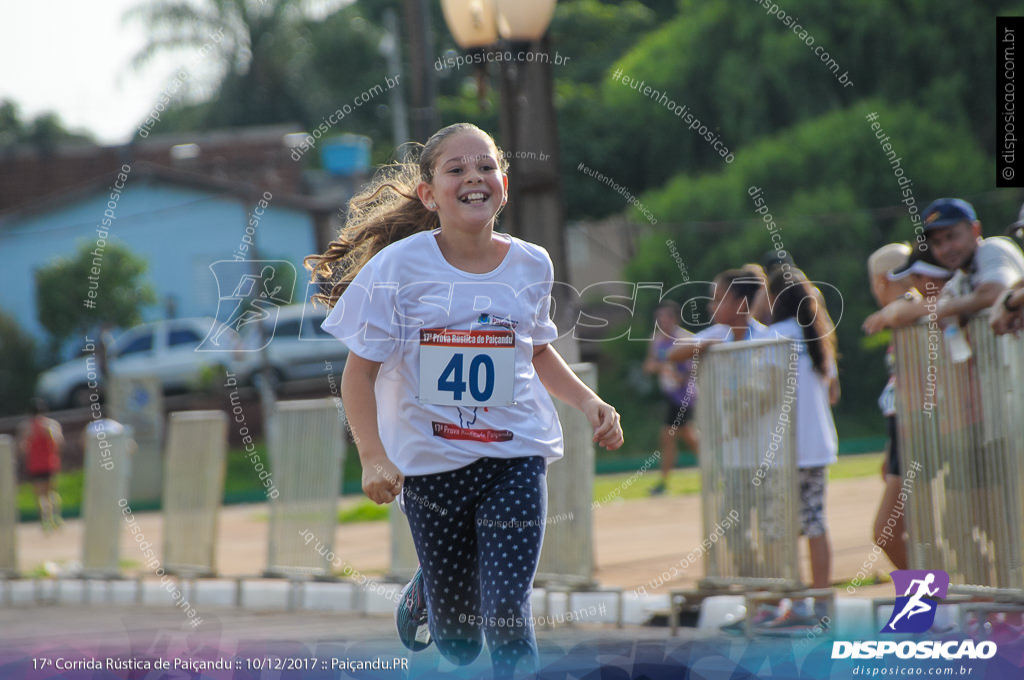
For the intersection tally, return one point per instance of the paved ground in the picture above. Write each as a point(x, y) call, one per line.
point(39, 643)
point(634, 540)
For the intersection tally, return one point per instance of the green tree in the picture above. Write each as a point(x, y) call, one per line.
point(278, 64)
point(746, 75)
point(44, 131)
point(344, 62)
point(833, 195)
point(18, 366)
point(258, 44)
point(121, 292)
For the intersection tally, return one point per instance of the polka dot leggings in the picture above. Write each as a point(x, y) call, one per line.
point(478, 533)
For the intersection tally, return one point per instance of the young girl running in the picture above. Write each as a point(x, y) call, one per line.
point(449, 337)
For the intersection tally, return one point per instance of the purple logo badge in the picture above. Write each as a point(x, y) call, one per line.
point(917, 593)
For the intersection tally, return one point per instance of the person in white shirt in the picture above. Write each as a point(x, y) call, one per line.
point(447, 325)
point(733, 294)
point(795, 316)
point(729, 442)
point(1007, 314)
point(984, 267)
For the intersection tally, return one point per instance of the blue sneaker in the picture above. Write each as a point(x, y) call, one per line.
point(411, 614)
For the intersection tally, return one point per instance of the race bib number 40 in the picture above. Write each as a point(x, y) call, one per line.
point(467, 368)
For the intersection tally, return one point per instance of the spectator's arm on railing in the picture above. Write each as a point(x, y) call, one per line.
point(977, 300)
point(899, 313)
point(686, 348)
point(1007, 314)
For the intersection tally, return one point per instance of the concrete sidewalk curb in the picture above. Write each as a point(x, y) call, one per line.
point(376, 598)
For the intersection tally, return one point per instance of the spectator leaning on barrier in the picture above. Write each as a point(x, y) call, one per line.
point(1016, 230)
point(920, 280)
point(733, 293)
point(1007, 314)
point(887, 291)
point(983, 267)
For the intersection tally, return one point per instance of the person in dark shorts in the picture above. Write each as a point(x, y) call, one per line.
point(885, 291)
point(678, 387)
point(40, 440)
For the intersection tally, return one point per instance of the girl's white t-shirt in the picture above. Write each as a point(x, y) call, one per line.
point(457, 381)
point(816, 441)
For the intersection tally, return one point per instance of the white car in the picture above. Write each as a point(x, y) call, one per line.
point(165, 349)
point(296, 347)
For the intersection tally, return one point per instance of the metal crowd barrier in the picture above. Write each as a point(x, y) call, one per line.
point(746, 414)
point(193, 489)
point(138, 402)
point(961, 440)
point(107, 471)
point(8, 508)
point(307, 452)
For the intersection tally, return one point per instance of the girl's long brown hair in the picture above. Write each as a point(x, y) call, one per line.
point(385, 211)
point(796, 298)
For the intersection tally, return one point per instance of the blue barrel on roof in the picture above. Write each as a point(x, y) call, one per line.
point(345, 154)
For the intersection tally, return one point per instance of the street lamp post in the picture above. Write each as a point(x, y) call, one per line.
point(529, 129)
point(425, 119)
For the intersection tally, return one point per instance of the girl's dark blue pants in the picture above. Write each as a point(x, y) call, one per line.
point(478, 532)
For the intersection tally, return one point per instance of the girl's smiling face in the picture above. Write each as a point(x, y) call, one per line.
point(468, 185)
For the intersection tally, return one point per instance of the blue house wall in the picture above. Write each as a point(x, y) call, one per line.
point(178, 230)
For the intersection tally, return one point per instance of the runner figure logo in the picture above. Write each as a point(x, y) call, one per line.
point(250, 291)
point(914, 611)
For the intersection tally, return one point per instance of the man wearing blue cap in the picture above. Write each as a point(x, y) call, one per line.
point(984, 267)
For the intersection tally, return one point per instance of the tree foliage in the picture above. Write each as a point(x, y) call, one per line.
point(18, 366)
point(44, 131)
point(746, 75)
point(787, 96)
point(121, 292)
point(834, 196)
point(258, 45)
